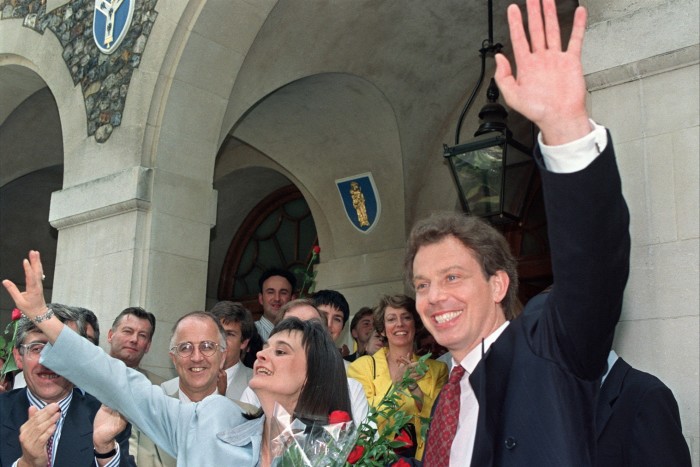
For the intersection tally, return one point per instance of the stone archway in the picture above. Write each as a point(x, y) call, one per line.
point(31, 169)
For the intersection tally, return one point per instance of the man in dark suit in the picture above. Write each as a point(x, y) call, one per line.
point(528, 398)
point(637, 420)
point(50, 422)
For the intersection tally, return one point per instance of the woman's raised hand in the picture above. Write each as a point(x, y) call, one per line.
point(31, 302)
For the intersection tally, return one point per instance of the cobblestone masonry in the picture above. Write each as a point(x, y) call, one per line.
point(104, 79)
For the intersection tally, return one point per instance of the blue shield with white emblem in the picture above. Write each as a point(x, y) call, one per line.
point(361, 201)
point(111, 22)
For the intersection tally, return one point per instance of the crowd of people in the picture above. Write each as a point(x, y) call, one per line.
point(513, 388)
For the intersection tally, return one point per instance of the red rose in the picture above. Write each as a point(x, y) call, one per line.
point(356, 454)
point(400, 463)
point(316, 249)
point(338, 416)
point(16, 314)
point(404, 437)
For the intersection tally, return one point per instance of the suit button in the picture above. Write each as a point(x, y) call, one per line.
point(511, 442)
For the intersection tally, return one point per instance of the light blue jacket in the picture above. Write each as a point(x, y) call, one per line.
point(206, 433)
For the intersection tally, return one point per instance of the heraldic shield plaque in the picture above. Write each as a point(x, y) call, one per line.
point(111, 22)
point(361, 201)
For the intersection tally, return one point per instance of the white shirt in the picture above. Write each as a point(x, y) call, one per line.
point(612, 359)
point(575, 155)
point(468, 405)
point(264, 327)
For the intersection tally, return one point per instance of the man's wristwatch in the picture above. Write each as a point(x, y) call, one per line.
point(106, 455)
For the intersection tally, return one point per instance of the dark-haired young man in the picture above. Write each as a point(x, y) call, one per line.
point(361, 329)
point(335, 308)
point(239, 327)
point(276, 289)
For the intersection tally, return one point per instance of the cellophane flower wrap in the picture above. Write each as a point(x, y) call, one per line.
point(298, 444)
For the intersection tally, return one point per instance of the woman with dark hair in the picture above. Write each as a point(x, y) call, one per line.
point(297, 368)
point(397, 320)
point(304, 309)
point(293, 370)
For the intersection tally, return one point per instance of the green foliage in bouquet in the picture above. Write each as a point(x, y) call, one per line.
point(6, 345)
point(376, 446)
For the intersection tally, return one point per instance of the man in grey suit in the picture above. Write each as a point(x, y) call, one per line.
point(129, 339)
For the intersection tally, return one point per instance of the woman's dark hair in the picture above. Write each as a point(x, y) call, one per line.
point(326, 385)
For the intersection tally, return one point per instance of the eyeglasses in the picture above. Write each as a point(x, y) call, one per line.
point(32, 350)
point(185, 349)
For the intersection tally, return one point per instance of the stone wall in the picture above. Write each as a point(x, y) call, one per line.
point(104, 79)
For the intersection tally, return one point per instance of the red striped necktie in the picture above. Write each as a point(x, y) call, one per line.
point(444, 423)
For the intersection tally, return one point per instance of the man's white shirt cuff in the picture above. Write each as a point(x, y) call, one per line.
point(575, 155)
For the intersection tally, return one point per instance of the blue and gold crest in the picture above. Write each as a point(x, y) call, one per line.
point(111, 22)
point(361, 201)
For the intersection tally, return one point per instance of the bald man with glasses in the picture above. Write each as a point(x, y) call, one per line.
point(198, 351)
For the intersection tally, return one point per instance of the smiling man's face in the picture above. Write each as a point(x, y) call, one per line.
point(198, 372)
point(457, 303)
point(130, 340)
point(42, 382)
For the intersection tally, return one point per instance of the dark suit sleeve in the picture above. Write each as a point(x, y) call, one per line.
point(588, 225)
point(657, 437)
point(125, 459)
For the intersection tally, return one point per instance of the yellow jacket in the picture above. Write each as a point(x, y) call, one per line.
point(375, 377)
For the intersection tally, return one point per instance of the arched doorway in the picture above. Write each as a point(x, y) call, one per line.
point(278, 232)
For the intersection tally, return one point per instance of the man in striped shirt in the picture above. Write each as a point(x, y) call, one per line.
point(50, 421)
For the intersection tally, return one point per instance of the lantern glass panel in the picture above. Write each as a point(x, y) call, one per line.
point(480, 175)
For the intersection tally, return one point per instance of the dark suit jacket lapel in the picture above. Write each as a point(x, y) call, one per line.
point(75, 446)
point(609, 393)
point(9, 432)
point(489, 382)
